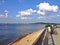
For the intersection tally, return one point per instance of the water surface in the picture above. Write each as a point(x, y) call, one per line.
point(9, 32)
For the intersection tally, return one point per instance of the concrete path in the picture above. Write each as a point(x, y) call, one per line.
point(56, 38)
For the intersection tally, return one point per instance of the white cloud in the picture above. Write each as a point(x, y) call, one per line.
point(23, 18)
point(6, 13)
point(2, 16)
point(43, 9)
point(54, 8)
point(26, 12)
point(41, 12)
point(17, 15)
point(47, 7)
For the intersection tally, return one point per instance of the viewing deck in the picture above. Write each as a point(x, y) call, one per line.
point(40, 37)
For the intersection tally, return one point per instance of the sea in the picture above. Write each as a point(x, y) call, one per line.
point(9, 32)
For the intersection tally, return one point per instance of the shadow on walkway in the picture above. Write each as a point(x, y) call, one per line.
point(53, 43)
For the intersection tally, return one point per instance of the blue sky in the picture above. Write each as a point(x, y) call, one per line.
point(28, 11)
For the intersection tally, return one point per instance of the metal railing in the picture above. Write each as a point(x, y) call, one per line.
point(43, 39)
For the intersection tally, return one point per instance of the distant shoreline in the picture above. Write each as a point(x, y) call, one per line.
point(32, 23)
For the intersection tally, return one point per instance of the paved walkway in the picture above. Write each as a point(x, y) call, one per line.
point(56, 38)
point(29, 39)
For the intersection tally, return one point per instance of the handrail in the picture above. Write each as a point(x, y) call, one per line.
point(45, 39)
point(42, 39)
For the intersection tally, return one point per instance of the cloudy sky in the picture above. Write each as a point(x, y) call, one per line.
point(28, 11)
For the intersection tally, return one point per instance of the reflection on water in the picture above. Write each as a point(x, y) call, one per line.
point(9, 32)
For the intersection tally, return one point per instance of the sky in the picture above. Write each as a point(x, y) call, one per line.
point(29, 11)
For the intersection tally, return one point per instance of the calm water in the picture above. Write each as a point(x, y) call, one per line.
point(9, 32)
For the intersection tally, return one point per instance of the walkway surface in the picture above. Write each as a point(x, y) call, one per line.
point(29, 39)
point(56, 38)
